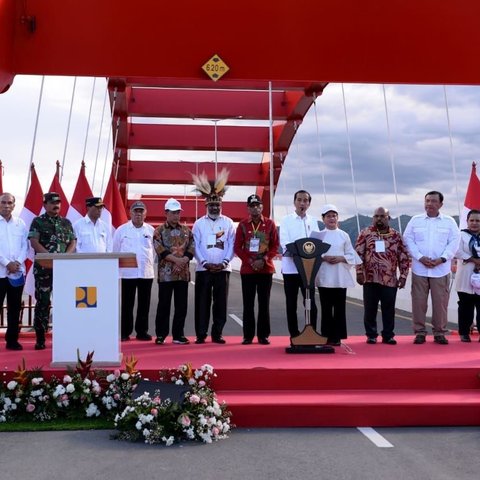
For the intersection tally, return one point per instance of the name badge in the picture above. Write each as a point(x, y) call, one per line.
point(380, 246)
point(212, 240)
point(254, 245)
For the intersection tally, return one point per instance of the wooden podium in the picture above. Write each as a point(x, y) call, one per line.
point(85, 305)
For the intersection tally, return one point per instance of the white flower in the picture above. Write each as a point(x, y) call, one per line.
point(138, 425)
point(111, 378)
point(179, 382)
point(12, 384)
point(168, 441)
point(92, 410)
point(146, 432)
point(59, 390)
point(125, 376)
point(70, 388)
point(87, 382)
point(67, 379)
point(192, 381)
point(37, 381)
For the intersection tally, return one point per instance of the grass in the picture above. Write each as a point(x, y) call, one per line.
point(58, 425)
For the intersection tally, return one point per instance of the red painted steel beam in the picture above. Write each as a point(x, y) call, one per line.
point(212, 104)
point(7, 36)
point(194, 137)
point(166, 172)
point(424, 41)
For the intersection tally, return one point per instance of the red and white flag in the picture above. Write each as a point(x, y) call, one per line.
point(31, 208)
point(113, 213)
point(57, 188)
point(472, 198)
point(82, 191)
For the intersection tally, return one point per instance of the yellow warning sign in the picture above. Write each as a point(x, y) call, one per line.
point(215, 68)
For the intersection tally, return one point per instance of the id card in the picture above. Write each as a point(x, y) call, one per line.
point(212, 240)
point(254, 245)
point(380, 246)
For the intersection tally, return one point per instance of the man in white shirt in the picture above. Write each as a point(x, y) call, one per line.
point(432, 240)
point(13, 252)
point(214, 236)
point(93, 234)
point(136, 236)
point(293, 227)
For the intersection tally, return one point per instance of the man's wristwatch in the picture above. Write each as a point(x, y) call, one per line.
point(443, 259)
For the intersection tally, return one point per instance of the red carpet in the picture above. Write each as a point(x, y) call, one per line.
point(375, 385)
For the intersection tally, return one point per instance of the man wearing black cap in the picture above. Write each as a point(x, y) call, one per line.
point(13, 252)
point(93, 234)
point(256, 244)
point(136, 236)
point(49, 233)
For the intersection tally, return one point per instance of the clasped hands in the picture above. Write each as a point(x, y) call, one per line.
point(430, 262)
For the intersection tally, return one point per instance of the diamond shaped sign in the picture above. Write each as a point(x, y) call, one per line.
point(215, 68)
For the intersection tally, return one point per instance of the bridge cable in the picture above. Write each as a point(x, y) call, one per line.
point(89, 117)
point(392, 158)
point(452, 155)
point(68, 126)
point(319, 145)
point(350, 158)
point(109, 136)
point(35, 133)
point(100, 135)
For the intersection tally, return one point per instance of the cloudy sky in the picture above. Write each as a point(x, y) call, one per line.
point(424, 154)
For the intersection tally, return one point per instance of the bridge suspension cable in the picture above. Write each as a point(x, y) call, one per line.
point(319, 145)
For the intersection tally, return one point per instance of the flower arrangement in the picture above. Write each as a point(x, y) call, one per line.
point(200, 417)
point(85, 392)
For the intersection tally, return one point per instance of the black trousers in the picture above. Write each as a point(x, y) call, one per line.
point(467, 303)
point(292, 282)
point(130, 287)
point(179, 290)
point(373, 293)
point(211, 293)
point(334, 319)
point(259, 284)
point(14, 305)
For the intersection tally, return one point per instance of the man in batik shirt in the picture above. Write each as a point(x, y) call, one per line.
point(256, 244)
point(173, 243)
point(384, 255)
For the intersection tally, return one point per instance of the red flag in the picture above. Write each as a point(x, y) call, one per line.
point(31, 208)
point(56, 187)
point(114, 212)
point(82, 191)
point(472, 198)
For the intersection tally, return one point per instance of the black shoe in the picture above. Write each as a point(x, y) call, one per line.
point(219, 339)
point(419, 339)
point(440, 339)
point(160, 340)
point(200, 340)
point(247, 341)
point(371, 340)
point(334, 343)
point(181, 341)
point(465, 338)
point(126, 339)
point(14, 346)
point(264, 341)
point(144, 337)
point(39, 346)
point(389, 341)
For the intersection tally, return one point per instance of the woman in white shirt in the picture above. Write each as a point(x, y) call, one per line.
point(468, 255)
point(334, 276)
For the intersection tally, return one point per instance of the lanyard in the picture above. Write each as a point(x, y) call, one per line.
point(255, 230)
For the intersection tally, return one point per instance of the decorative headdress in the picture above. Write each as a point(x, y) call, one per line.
point(212, 191)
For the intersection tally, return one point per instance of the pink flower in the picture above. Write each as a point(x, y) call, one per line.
point(215, 431)
point(154, 412)
point(116, 372)
point(194, 399)
point(30, 408)
point(184, 420)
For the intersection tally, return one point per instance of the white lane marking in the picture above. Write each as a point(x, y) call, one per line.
point(234, 317)
point(375, 437)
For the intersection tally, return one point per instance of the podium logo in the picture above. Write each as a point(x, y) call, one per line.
point(309, 248)
point(86, 297)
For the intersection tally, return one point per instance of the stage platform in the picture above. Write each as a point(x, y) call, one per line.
point(358, 385)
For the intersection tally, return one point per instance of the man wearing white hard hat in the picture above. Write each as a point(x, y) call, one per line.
point(173, 243)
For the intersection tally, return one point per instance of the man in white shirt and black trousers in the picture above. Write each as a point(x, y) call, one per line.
point(293, 227)
point(13, 252)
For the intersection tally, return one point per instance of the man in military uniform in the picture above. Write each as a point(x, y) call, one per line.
point(49, 233)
